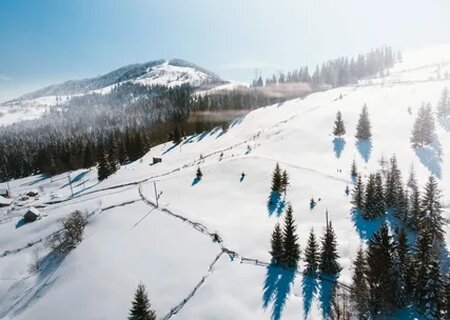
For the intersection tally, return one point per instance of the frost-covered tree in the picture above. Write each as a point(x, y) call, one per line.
point(354, 170)
point(339, 127)
point(431, 217)
point(103, 167)
point(363, 128)
point(358, 194)
point(141, 308)
point(277, 179)
point(443, 107)
point(284, 181)
point(423, 130)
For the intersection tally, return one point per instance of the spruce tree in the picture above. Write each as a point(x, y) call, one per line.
point(312, 254)
point(277, 245)
point(403, 269)
point(446, 291)
point(358, 194)
point(431, 216)
point(423, 129)
point(103, 167)
point(339, 127)
point(363, 128)
point(199, 174)
point(443, 107)
point(284, 181)
point(415, 211)
point(328, 252)
point(276, 179)
point(113, 155)
point(393, 181)
point(291, 249)
point(379, 201)
point(433, 304)
point(370, 206)
point(380, 273)
point(140, 309)
point(359, 288)
point(354, 170)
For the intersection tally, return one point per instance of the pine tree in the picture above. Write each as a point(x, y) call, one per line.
point(113, 155)
point(276, 179)
point(422, 259)
point(380, 273)
point(199, 174)
point(359, 289)
point(312, 254)
point(431, 217)
point(412, 181)
point(103, 167)
point(328, 252)
point(446, 291)
point(140, 309)
point(291, 249)
point(423, 130)
point(403, 269)
point(284, 181)
point(402, 205)
point(393, 181)
point(358, 194)
point(443, 107)
point(370, 206)
point(339, 127)
point(415, 211)
point(363, 129)
point(277, 245)
point(354, 170)
point(378, 200)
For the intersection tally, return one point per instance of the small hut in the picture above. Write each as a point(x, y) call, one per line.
point(156, 160)
point(31, 215)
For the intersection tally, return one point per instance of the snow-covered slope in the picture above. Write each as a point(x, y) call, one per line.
point(171, 248)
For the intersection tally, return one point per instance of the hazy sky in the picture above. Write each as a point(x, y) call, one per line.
point(48, 41)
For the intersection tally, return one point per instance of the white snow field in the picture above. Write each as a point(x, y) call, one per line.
point(172, 251)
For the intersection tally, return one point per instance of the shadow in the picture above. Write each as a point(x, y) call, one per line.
point(309, 290)
point(221, 133)
point(77, 178)
point(445, 124)
point(20, 223)
point(195, 181)
point(236, 122)
point(190, 139)
point(364, 148)
point(365, 228)
point(277, 286)
point(41, 178)
point(171, 148)
point(214, 131)
point(327, 291)
point(275, 204)
point(338, 146)
point(431, 157)
point(202, 135)
point(45, 277)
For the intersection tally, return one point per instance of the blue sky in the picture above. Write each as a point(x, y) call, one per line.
point(49, 41)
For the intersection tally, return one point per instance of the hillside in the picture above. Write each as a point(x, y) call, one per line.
point(171, 249)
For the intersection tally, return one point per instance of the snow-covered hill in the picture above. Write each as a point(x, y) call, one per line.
point(171, 249)
point(171, 73)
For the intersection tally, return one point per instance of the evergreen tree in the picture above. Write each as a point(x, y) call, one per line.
point(328, 253)
point(431, 216)
point(433, 304)
point(88, 160)
point(358, 194)
point(412, 181)
point(423, 130)
point(380, 273)
point(359, 289)
point(415, 211)
point(199, 174)
point(103, 167)
point(403, 269)
point(284, 181)
point(354, 170)
point(113, 155)
point(312, 254)
point(443, 107)
point(393, 182)
point(277, 245)
point(446, 291)
point(291, 249)
point(363, 129)
point(339, 127)
point(140, 309)
point(402, 205)
point(370, 206)
point(422, 259)
point(379, 200)
point(277, 179)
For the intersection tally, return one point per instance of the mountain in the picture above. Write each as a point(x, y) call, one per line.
point(190, 273)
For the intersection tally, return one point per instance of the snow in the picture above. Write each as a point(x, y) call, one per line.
point(170, 249)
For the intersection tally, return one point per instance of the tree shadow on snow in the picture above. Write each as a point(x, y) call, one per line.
point(338, 146)
point(20, 223)
point(309, 290)
point(275, 204)
point(195, 181)
point(326, 296)
point(170, 148)
point(445, 124)
point(364, 148)
point(45, 277)
point(431, 157)
point(277, 286)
